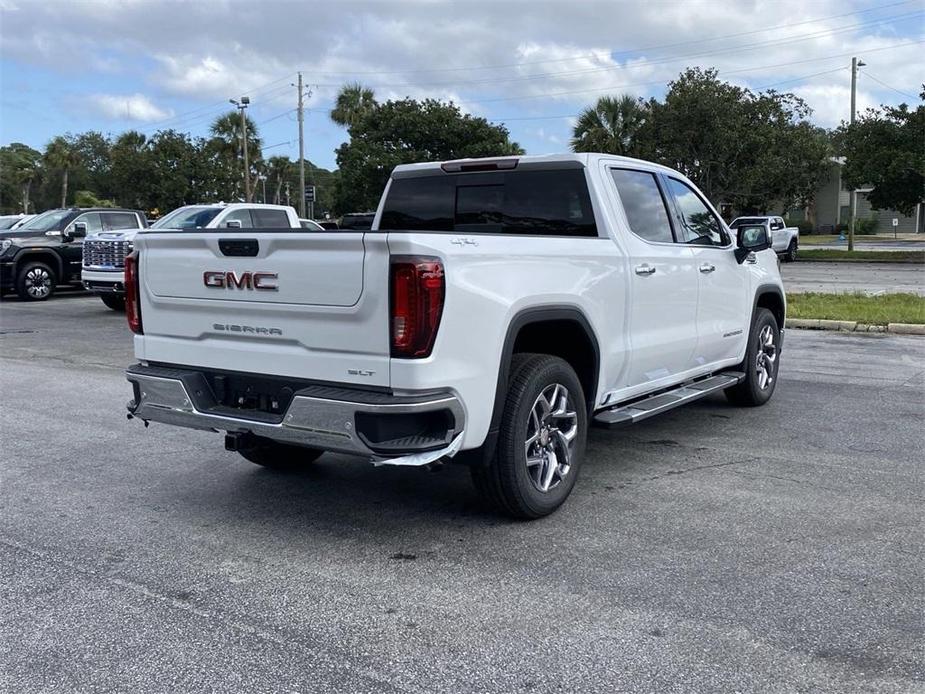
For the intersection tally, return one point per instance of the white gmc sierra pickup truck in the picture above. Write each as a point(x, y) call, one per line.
point(104, 252)
point(495, 310)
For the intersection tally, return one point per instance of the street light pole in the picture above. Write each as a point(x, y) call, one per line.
point(855, 64)
point(301, 152)
point(241, 106)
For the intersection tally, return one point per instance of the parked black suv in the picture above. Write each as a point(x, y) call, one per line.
point(47, 251)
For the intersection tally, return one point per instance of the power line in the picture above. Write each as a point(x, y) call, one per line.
point(660, 61)
point(727, 72)
point(576, 115)
point(888, 86)
point(623, 52)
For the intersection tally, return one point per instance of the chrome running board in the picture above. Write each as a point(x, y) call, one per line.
point(651, 405)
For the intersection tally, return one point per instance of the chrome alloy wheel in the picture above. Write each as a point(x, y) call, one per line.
point(767, 355)
point(38, 283)
point(551, 432)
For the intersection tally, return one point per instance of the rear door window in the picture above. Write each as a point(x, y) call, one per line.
point(270, 219)
point(543, 203)
point(644, 205)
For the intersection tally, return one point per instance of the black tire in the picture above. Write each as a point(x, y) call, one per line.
point(36, 281)
point(512, 485)
point(114, 301)
point(753, 391)
point(279, 456)
point(790, 255)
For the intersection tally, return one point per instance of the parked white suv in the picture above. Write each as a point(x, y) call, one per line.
point(496, 309)
point(104, 253)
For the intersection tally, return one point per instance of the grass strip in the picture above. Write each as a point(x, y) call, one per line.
point(873, 310)
point(839, 255)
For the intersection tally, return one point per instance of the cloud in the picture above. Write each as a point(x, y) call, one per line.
point(498, 59)
point(135, 107)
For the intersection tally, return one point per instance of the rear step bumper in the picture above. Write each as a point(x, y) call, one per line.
point(346, 420)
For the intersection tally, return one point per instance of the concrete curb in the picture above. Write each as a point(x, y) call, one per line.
point(848, 326)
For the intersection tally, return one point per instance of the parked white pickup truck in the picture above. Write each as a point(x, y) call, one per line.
point(496, 309)
point(784, 240)
point(104, 253)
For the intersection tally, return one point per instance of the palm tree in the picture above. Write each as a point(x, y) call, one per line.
point(610, 126)
point(226, 140)
point(353, 102)
point(59, 154)
point(279, 169)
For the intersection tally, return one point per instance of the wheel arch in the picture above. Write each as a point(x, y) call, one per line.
point(574, 341)
point(771, 297)
point(38, 255)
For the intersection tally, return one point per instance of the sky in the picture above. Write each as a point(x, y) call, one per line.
point(150, 65)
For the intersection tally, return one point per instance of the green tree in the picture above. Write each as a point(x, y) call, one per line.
point(885, 148)
point(227, 150)
point(278, 171)
point(400, 132)
point(60, 155)
point(353, 102)
point(20, 166)
point(179, 173)
point(755, 151)
point(130, 170)
point(86, 198)
point(94, 172)
point(612, 126)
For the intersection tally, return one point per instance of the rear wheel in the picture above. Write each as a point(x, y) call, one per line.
point(541, 441)
point(279, 456)
point(114, 301)
point(791, 253)
point(762, 360)
point(36, 282)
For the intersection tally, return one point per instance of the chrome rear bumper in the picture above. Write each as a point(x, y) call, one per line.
point(317, 416)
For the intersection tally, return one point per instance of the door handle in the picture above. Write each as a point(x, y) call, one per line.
point(645, 269)
point(706, 267)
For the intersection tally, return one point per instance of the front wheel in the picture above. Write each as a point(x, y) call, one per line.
point(279, 456)
point(36, 282)
point(114, 301)
point(541, 442)
point(762, 361)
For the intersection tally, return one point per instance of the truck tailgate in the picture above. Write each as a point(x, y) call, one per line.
point(309, 305)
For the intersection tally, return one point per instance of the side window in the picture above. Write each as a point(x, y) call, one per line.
point(113, 221)
point(699, 226)
point(243, 216)
point(644, 206)
point(91, 219)
point(269, 219)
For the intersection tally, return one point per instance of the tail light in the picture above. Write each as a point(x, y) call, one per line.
point(133, 293)
point(417, 290)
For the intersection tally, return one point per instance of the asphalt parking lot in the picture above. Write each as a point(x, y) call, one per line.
point(870, 278)
point(712, 549)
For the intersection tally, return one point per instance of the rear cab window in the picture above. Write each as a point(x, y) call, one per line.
point(539, 202)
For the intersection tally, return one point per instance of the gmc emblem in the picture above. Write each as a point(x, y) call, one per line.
point(248, 280)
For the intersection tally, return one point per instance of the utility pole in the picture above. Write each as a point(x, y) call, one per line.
point(241, 106)
point(301, 151)
point(855, 64)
